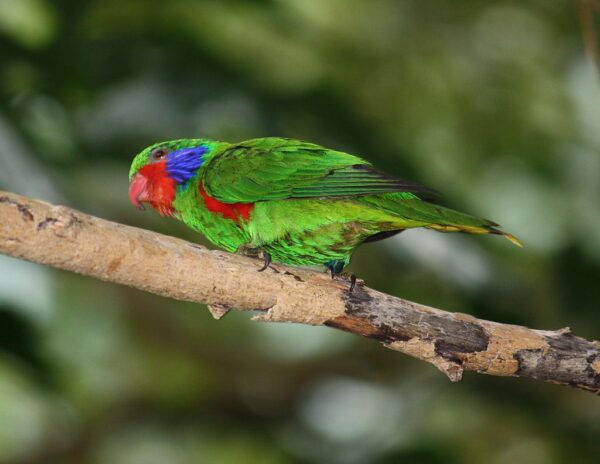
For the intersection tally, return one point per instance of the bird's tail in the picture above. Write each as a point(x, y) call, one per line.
point(486, 228)
point(417, 213)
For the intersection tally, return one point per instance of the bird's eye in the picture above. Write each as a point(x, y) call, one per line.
point(158, 154)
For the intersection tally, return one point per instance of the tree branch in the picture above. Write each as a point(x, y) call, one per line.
point(67, 239)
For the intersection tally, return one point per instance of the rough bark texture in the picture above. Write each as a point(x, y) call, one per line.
point(67, 239)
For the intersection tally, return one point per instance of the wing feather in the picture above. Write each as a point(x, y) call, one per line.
point(276, 169)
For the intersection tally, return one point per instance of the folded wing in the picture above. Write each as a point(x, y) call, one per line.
point(277, 169)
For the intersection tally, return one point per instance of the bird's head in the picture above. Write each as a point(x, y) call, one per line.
point(158, 170)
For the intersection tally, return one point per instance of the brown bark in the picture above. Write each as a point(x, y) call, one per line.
point(67, 239)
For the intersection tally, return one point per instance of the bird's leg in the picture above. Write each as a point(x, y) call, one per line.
point(336, 268)
point(267, 261)
point(248, 250)
point(255, 252)
point(348, 276)
point(352, 282)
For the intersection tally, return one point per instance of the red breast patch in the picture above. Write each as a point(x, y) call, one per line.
point(233, 211)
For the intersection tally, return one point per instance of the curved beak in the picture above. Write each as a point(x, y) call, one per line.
point(138, 191)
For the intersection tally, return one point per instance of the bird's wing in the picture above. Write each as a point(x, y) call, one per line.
point(277, 169)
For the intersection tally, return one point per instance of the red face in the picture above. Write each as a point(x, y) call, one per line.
point(152, 185)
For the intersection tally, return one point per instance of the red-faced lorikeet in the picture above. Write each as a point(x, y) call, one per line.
point(296, 202)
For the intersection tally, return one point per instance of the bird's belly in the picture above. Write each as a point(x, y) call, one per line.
point(310, 248)
point(311, 232)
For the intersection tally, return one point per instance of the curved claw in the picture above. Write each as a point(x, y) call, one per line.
point(267, 263)
point(352, 282)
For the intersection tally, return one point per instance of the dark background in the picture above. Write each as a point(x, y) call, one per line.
point(492, 103)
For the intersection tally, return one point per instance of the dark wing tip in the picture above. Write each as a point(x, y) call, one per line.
point(402, 185)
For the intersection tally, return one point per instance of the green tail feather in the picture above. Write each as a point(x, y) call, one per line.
point(417, 213)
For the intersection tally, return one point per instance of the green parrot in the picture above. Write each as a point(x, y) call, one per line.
point(295, 202)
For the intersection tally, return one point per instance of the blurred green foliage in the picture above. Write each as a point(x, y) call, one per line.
point(492, 103)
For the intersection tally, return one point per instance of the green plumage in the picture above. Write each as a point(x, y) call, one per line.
point(311, 205)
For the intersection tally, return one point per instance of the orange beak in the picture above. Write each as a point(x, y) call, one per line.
point(138, 191)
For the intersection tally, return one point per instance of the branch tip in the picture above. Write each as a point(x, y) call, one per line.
point(219, 311)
